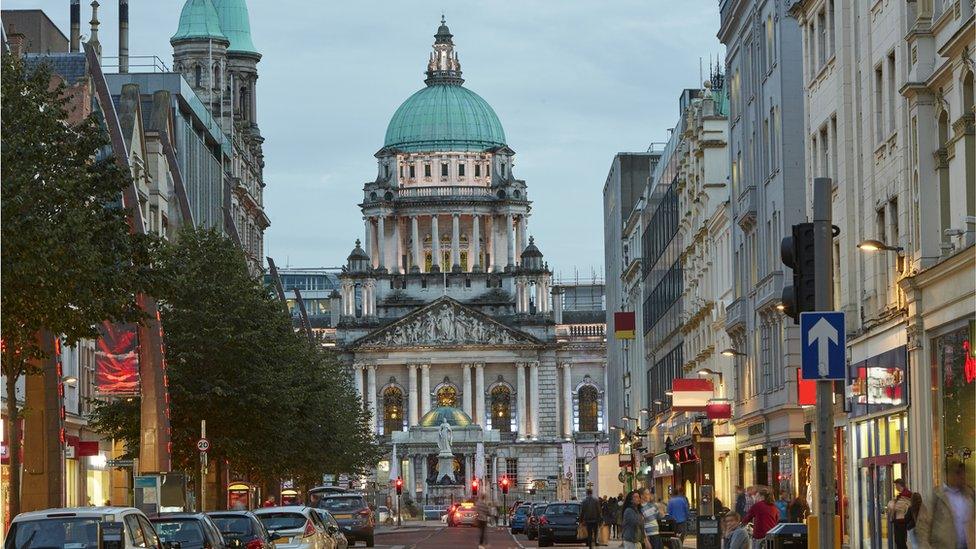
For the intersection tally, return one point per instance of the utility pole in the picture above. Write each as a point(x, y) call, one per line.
point(203, 467)
point(824, 286)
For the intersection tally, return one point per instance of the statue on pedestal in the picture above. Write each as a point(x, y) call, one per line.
point(445, 457)
point(445, 436)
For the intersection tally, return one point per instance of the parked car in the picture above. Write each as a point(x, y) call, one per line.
point(190, 530)
point(559, 523)
point(532, 519)
point(294, 527)
point(353, 515)
point(516, 520)
point(79, 527)
point(333, 529)
point(465, 513)
point(434, 512)
point(243, 526)
point(384, 515)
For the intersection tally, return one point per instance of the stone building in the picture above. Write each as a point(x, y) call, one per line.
point(451, 304)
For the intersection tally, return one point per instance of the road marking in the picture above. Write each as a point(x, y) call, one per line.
point(515, 539)
point(426, 538)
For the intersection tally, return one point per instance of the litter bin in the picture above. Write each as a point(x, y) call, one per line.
point(786, 535)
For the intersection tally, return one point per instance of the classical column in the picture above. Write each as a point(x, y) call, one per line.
point(368, 239)
point(380, 243)
point(520, 397)
point(475, 261)
point(357, 379)
point(367, 297)
point(424, 389)
point(510, 239)
point(534, 399)
point(435, 243)
point(456, 242)
point(412, 394)
point(466, 388)
point(518, 240)
point(397, 247)
point(492, 231)
point(567, 401)
point(418, 262)
point(520, 295)
point(371, 394)
point(540, 297)
point(479, 394)
point(523, 240)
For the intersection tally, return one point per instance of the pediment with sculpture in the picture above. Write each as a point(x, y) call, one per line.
point(444, 323)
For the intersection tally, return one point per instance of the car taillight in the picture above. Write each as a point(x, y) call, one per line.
point(254, 544)
point(309, 529)
point(543, 520)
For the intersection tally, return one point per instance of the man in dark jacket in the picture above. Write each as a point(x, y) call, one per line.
point(590, 514)
point(740, 501)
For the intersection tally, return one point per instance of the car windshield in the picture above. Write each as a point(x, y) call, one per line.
point(282, 521)
point(342, 504)
point(54, 533)
point(383, 509)
point(563, 509)
point(522, 510)
point(186, 532)
point(233, 525)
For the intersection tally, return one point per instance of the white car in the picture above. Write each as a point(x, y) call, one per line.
point(384, 515)
point(295, 527)
point(78, 528)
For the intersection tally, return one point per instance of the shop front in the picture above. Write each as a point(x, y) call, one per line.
point(662, 474)
point(954, 392)
point(877, 403)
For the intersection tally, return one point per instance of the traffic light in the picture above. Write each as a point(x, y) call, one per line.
point(474, 487)
point(399, 485)
point(798, 253)
point(504, 483)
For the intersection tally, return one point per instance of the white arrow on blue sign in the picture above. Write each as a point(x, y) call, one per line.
point(823, 340)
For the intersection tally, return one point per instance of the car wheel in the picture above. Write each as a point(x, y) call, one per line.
point(545, 543)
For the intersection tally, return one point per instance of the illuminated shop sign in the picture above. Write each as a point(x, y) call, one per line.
point(662, 466)
point(685, 454)
point(878, 383)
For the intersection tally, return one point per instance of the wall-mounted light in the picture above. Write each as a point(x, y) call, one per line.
point(872, 245)
point(70, 381)
point(731, 352)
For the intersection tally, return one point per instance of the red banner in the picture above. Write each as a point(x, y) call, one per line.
point(719, 409)
point(690, 394)
point(806, 390)
point(624, 325)
point(117, 360)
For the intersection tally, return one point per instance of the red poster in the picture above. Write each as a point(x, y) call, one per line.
point(117, 359)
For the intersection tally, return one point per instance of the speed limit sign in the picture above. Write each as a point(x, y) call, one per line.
point(203, 445)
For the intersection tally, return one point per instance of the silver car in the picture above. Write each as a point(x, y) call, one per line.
point(79, 527)
point(295, 527)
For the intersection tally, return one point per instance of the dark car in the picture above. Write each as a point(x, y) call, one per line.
point(434, 512)
point(243, 526)
point(559, 522)
point(518, 518)
point(190, 530)
point(532, 520)
point(353, 515)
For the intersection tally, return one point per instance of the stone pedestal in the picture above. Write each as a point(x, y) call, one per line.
point(445, 468)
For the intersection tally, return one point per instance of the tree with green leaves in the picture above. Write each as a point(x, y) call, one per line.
point(276, 407)
point(68, 258)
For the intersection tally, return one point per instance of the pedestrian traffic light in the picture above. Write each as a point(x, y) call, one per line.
point(399, 485)
point(504, 483)
point(798, 253)
point(474, 487)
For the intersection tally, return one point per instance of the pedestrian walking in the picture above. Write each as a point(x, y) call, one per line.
point(740, 501)
point(590, 514)
point(798, 509)
point(482, 508)
point(618, 514)
point(911, 520)
point(270, 502)
point(735, 535)
point(947, 522)
point(897, 511)
point(606, 531)
point(679, 510)
point(632, 524)
point(650, 513)
point(783, 506)
point(764, 515)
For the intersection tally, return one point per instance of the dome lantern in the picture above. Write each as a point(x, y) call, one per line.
point(358, 260)
point(532, 257)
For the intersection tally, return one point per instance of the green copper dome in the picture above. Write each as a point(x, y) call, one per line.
point(236, 24)
point(444, 117)
point(198, 20)
point(455, 417)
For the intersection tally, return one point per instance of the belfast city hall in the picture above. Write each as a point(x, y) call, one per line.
point(448, 313)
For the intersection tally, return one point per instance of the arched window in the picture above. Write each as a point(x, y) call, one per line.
point(197, 75)
point(393, 411)
point(245, 103)
point(501, 408)
point(215, 83)
point(447, 396)
point(589, 409)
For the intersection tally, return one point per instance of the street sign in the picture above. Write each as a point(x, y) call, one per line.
point(823, 345)
point(203, 445)
point(113, 463)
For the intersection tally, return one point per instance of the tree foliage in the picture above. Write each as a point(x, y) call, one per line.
point(69, 260)
point(276, 407)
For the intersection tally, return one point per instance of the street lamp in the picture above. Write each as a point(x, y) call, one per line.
point(872, 245)
point(731, 352)
point(70, 381)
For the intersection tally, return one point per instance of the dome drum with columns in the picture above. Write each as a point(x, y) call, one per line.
point(448, 304)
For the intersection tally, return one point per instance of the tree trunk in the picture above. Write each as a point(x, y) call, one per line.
point(13, 416)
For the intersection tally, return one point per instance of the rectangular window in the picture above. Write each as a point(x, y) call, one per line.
point(426, 170)
point(891, 92)
point(878, 104)
point(444, 170)
point(461, 170)
point(413, 171)
point(581, 476)
point(511, 470)
point(881, 228)
point(830, 25)
point(477, 170)
point(773, 131)
point(822, 38)
point(824, 161)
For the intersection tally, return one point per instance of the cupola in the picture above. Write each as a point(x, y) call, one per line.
point(358, 260)
point(532, 257)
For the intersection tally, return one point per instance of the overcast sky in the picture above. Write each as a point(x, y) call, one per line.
point(572, 82)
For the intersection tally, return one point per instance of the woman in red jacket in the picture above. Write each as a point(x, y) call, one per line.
point(763, 515)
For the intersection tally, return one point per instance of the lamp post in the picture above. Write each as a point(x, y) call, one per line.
point(872, 245)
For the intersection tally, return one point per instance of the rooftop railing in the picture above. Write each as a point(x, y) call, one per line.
point(444, 190)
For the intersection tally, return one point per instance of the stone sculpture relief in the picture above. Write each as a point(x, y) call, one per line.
point(443, 325)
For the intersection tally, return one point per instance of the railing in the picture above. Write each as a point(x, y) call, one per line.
point(444, 190)
point(137, 63)
point(587, 330)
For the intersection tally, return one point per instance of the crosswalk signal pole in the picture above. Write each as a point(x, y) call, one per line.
point(824, 286)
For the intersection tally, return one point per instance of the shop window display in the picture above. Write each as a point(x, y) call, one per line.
point(955, 374)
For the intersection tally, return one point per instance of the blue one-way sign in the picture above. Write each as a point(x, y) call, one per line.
point(823, 341)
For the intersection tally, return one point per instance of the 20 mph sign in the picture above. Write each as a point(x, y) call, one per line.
point(203, 445)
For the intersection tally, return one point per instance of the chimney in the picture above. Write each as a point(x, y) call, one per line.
point(123, 36)
point(93, 39)
point(75, 25)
